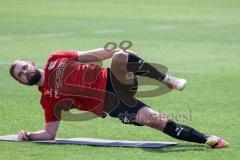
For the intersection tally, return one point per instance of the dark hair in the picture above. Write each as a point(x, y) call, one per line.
point(11, 70)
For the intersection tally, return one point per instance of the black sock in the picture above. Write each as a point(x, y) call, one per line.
point(184, 133)
point(142, 68)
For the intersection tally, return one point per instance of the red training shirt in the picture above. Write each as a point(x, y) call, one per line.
point(71, 84)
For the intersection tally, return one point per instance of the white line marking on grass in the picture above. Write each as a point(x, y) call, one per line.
point(2, 63)
point(216, 24)
point(103, 31)
point(164, 27)
point(61, 34)
point(3, 38)
point(44, 35)
point(174, 70)
point(5, 63)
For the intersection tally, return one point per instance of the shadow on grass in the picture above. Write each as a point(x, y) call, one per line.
point(182, 147)
point(178, 148)
point(170, 149)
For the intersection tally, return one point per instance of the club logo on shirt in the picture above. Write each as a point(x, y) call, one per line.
point(51, 65)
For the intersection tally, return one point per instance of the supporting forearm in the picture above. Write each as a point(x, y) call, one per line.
point(48, 133)
point(40, 135)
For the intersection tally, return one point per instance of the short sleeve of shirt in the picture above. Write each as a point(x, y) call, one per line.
point(49, 115)
point(49, 112)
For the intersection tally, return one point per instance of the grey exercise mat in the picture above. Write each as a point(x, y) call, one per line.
point(98, 142)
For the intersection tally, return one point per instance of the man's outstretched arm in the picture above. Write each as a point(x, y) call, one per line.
point(48, 133)
point(95, 55)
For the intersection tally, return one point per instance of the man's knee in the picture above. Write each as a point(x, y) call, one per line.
point(119, 68)
point(120, 57)
point(119, 62)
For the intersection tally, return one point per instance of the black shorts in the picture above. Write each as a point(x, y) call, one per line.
point(120, 102)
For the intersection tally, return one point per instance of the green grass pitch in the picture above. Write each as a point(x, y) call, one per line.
point(197, 40)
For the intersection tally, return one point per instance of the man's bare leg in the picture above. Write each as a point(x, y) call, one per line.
point(146, 116)
point(156, 120)
point(119, 68)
